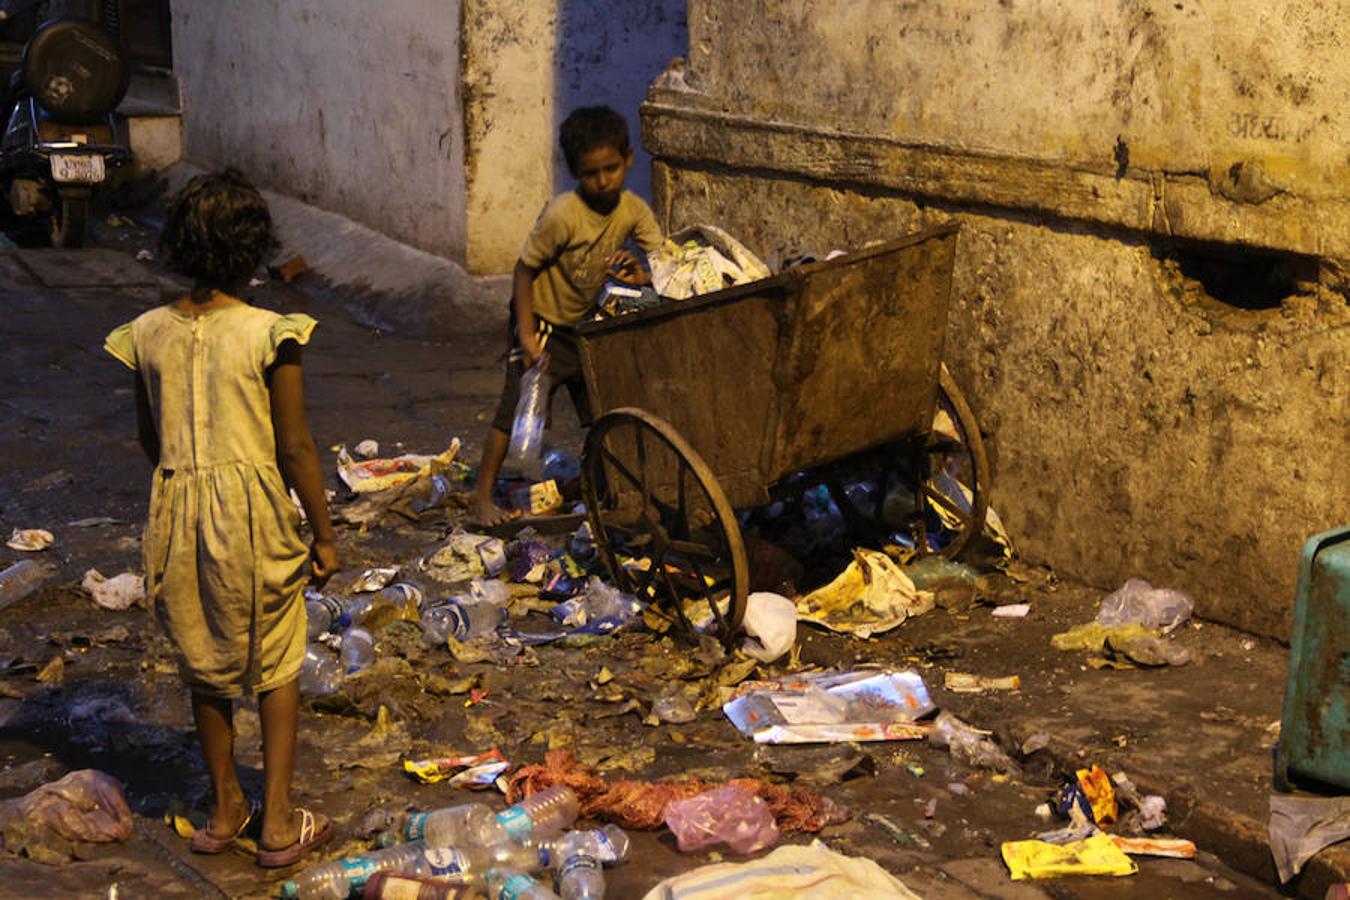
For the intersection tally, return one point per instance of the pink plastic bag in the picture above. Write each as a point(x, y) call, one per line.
point(86, 805)
point(727, 815)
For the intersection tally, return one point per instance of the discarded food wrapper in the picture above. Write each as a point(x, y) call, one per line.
point(963, 683)
point(379, 474)
point(1174, 848)
point(119, 592)
point(493, 554)
point(30, 539)
point(788, 871)
point(538, 498)
point(832, 706)
point(474, 771)
point(367, 449)
point(1096, 785)
point(1012, 611)
point(1097, 855)
point(871, 596)
point(373, 580)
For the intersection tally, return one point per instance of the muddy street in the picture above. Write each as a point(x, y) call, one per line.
point(89, 687)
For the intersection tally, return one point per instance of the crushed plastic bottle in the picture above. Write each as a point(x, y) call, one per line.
point(358, 650)
point(523, 454)
point(510, 884)
point(580, 856)
point(22, 579)
point(462, 621)
point(343, 878)
point(728, 814)
point(970, 745)
point(322, 614)
point(320, 673)
point(535, 818)
point(438, 489)
point(403, 595)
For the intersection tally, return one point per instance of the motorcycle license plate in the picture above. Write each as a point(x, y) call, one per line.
point(80, 168)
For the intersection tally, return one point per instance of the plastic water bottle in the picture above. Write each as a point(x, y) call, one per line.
point(404, 886)
point(320, 673)
point(474, 825)
point(462, 621)
point(437, 490)
point(322, 613)
point(20, 580)
point(401, 595)
point(579, 855)
point(358, 650)
point(489, 591)
point(343, 878)
point(527, 429)
point(355, 609)
point(509, 884)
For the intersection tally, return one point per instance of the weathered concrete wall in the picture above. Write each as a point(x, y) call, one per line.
point(1138, 426)
point(609, 53)
point(509, 125)
point(349, 106)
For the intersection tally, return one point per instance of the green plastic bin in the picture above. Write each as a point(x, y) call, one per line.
point(1314, 747)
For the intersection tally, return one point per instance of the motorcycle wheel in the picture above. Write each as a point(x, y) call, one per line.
point(70, 221)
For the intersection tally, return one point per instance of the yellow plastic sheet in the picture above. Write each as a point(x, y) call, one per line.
point(1097, 855)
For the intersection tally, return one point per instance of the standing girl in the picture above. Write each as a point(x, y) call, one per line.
point(222, 418)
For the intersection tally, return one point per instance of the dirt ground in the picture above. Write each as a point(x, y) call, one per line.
point(69, 452)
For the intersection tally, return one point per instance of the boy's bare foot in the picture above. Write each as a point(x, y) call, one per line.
point(486, 514)
point(229, 818)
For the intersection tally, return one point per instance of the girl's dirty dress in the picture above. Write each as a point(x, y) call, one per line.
point(224, 562)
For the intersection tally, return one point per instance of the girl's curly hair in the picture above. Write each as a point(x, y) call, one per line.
point(218, 229)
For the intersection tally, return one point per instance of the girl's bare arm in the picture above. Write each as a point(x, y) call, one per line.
point(298, 457)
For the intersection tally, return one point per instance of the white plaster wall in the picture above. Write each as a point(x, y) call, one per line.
point(349, 105)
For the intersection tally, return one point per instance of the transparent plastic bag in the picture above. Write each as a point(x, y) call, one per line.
point(728, 815)
point(86, 805)
point(525, 452)
point(1138, 602)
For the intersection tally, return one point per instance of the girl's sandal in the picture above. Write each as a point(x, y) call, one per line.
point(203, 841)
point(314, 831)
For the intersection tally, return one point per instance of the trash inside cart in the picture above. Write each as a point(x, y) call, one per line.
point(827, 374)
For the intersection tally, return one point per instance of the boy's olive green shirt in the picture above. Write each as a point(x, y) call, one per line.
point(569, 246)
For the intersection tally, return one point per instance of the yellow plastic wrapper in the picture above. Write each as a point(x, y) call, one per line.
point(1096, 785)
point(1097, 855)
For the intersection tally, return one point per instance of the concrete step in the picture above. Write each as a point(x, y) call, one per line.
point(152, 111)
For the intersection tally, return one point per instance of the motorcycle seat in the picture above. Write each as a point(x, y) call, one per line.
point(74, 70)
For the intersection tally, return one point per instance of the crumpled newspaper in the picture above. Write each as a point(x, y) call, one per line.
point(119, 592)
point(871, 596)
point(702, 259)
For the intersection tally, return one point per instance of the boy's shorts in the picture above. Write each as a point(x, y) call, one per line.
point(564, 370)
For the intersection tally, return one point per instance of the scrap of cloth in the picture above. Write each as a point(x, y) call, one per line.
point(816, 872)
point(1302, 826)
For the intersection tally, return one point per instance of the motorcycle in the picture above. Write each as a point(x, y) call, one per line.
point(61, 141)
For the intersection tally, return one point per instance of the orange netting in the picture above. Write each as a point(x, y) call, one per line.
point(639, 804)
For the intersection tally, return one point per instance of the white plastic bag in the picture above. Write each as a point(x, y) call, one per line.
point(771, 623)
point(525, 453)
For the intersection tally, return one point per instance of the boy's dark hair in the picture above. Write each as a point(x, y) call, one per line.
point(218, 229)
point(590, 127)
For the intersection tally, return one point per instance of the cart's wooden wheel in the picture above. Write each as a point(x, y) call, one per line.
point(650, 496)
point(956, 486)
point(944, 483)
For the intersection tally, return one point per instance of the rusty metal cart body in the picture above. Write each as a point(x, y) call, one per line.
point(725, 401)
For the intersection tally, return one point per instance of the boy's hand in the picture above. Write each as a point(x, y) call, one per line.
point(624, 266)
point(532, 353)
point(323, 562)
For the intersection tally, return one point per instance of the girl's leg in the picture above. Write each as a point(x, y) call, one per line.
point(215, 732)
point(280, 712)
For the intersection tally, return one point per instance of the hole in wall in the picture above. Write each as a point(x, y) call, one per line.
point(1240, 277)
